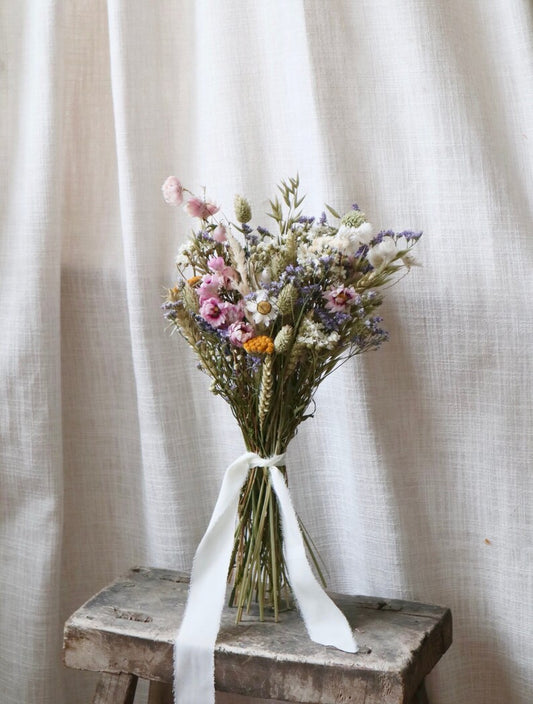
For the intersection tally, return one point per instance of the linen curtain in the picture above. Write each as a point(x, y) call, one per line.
point(414, 478)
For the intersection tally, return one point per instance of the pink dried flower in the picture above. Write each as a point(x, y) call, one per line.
point(239, 333)
point(219, 233)
point(213, 310)
point(340, 298)
point(172, 191)
point(234, 312)
point(219, 266)
point(197, 208)
point(216, 263)
point(209, 287)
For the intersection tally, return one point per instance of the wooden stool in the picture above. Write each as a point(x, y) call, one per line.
point(127, 630)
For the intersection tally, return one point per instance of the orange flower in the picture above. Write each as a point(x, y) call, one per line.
point(173, 294)
point(262, 344)
point(194, 280)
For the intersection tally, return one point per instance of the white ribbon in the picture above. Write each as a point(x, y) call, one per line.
point(194, 648)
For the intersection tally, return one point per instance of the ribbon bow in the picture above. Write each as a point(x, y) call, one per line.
point(194, 660)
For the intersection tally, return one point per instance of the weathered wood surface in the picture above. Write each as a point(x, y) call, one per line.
point(130, 627)
point(160, 693)
point(115, 689)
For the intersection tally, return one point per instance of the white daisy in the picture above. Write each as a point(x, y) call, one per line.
point(261, 308)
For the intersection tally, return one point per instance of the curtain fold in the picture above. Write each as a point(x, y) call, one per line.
point(414, 477)
point(30, 372)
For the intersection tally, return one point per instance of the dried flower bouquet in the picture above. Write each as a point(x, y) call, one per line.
point(270, 314)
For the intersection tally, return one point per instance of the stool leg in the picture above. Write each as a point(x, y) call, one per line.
point(421, 696)
point(115, 689)
point(160, 693)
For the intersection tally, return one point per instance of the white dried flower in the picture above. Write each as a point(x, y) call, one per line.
point(349, 239)
point(313, 335)
point(382, 253)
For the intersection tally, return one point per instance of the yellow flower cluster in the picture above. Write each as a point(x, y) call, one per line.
point(262, 344)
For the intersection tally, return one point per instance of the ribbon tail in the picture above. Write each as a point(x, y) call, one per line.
point(325, 622)
point(194, 664)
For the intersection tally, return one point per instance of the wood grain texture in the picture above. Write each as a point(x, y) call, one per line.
point(115, 689)
point(160, 693)
point(130, 627)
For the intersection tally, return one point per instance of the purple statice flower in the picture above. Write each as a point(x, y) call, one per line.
point(293, 274)
point(373, 321)
point(332, 322)
point(355, 206)
point(365, 342)
point(253, 363)
point(310, 292)
point(369, 296)
point(376, 331)
point(373, 339)
point(273, 287)
point(205, 326)
point(263, 231)
point(362, 251)
point(294, 270)
point(410, 235)
point(304, 220)
point(170, 308)
point(379, 237)
point(251, 238)
point(323, 218)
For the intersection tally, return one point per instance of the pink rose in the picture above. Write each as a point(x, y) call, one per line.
point(213, 310)
point(197, 208)
point(239, 333)
point(172, 191)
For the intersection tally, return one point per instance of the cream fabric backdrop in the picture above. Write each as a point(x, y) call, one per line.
point(415, 475)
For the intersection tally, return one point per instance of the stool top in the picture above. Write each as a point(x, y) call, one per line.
point(130, 626)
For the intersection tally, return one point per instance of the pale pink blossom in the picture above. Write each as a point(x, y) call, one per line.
point(234, 312)
point(239, 333)
point(216, 263)
point(203, 209)
point(339, 298)
point(219, 266)
point(213, 310)
point(172, 191)
point(219, 233)
point(209, 287)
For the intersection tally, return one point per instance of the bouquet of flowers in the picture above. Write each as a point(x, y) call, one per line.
point(270, 313)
